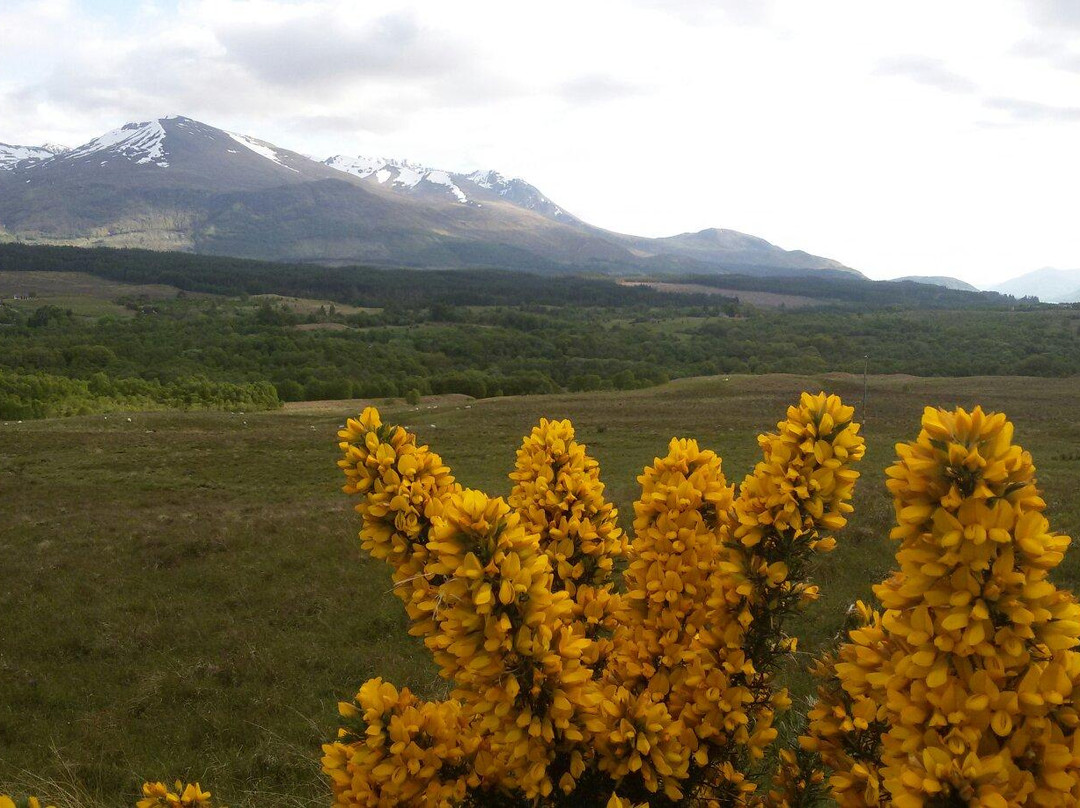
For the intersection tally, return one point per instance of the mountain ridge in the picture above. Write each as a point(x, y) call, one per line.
point(947, 281)
point(1049, 284)
point(178, 183)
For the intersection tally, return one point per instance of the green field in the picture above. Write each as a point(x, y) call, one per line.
point(184, 596)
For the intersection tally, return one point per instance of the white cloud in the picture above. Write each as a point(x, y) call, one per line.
point(899, 138)
point(930, 72)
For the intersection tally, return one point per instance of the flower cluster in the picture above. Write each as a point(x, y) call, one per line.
point(402, 487)
point(509, 643)
point(665, 688)
point(398, 750)
point(29, 802)
point(158, 795)
point(799, 781)
point(965, 688)
point(802, 486)
point(521, 651)
point(558, 493)
point(800, 490)
point(563, 689)
point(847, 720)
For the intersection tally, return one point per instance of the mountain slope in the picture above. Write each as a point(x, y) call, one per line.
point(1048, 284)
point(177, 183)
point(722, 248)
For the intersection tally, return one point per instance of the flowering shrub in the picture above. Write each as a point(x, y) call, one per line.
point(964, 689)
point(566, 691)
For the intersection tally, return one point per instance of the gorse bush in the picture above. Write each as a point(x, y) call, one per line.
point(566, 689)
point(964, 689)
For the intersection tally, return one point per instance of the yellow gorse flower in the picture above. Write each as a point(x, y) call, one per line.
point(158, 795)
point(511, 645)
point(402, 488)
point(409, 752)
point(559, 495)
point(557, 491)
point(662, 680)
point(847, 720)
point(963, 687)
point(560, 685)
point(30, 802)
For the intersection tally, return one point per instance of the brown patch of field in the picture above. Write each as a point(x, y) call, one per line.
point(764, 299)
point(84, 294)
point(350, 406)
point(307, 305)
point(77, 284)
point(323, 327)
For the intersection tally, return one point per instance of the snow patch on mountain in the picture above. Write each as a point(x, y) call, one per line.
point(260, 148)
point(358, 166)
point(399, 173)
point(406, 175)
point(143, 143)
point(409, 175)
point(515, 190)
point(487, 179)
point(10, 156)
point(442, 178)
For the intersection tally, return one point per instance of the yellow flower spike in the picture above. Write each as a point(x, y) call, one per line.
point(401, 488)
point(558, 492)
point(427, 741)
point(968, 669)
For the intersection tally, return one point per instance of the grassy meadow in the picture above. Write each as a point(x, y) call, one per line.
point(183, 594)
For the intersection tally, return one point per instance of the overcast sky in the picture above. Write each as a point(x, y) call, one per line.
point(900, 138)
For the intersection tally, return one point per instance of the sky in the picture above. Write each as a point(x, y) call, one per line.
point(915, 137)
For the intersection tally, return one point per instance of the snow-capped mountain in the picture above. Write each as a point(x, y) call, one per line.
point(140, 142)
point(180, 184)
point(11, 156)
point(467, 189)
point(154, 144)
